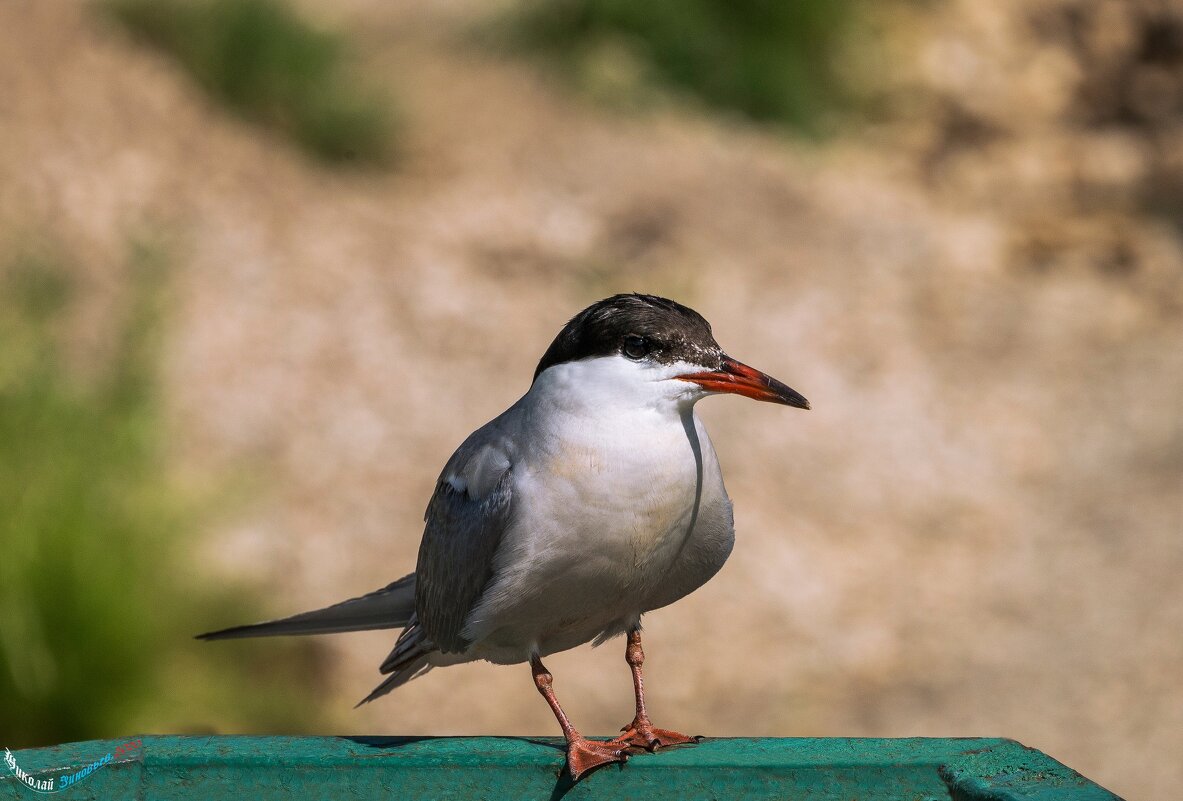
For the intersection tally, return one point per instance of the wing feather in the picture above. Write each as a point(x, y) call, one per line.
point(466, 519)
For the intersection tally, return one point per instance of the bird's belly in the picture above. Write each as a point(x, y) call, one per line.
point(597, 554)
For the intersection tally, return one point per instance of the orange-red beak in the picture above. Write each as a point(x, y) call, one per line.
point(738, 378)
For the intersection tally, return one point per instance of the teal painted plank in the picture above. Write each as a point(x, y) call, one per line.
point(171, 768)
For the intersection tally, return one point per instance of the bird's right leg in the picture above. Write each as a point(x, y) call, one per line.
point(582, 754)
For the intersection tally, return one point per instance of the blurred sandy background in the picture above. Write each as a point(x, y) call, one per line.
point(978, 530)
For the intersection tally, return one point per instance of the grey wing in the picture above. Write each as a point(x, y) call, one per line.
point(465, 521)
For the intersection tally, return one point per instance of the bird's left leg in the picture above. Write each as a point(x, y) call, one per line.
point(640, 733)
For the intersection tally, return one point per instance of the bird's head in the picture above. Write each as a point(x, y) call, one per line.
point(647, 348)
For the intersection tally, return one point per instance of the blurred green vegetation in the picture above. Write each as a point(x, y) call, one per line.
point(270, 66)
point(98, 587)
point(770, 60)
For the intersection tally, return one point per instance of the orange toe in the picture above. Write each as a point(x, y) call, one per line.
point(585, 755)
point(640, 734)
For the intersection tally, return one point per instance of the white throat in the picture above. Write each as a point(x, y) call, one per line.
point(615, 387)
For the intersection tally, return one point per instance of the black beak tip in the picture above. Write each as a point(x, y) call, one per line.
point(798, 401)
point(788, 396)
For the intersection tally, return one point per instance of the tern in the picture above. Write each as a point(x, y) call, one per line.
point(596, 498)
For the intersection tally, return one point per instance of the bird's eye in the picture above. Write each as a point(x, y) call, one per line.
point(635, 347)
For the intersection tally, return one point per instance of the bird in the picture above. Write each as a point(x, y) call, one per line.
point(595, 499)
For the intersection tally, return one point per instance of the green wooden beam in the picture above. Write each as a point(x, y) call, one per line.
point(168, 768)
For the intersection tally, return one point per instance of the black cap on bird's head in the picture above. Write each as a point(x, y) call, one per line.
point(658, 330)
